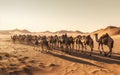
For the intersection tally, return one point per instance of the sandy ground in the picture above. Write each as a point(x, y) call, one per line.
point(19, 59)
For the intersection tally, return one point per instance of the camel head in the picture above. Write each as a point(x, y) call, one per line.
point(96, 34)
point(107, 34)
point(88, 36)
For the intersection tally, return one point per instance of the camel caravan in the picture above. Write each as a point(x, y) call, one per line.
point(66, 43)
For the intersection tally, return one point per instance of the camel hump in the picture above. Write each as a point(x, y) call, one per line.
point(105, 42)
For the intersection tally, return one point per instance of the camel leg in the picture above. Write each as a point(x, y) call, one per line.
point(91, 51)
point(99, 48)
point(103, 50)
point(58, 45)
point(39, 48)
point(110, 52)
point(66, 48)
point(34, 48)
point(61, 45)
point(85, 49)
point(82, 47)
point(76, 47)
point(55, 45)
point(42, 48)
point(47, 48)
point(70, 49)
point(73, 46)
point(51, 45)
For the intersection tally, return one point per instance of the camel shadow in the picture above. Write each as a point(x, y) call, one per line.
point(115, 59)
point(97, 57)
point(72, 59)
point(115, 56)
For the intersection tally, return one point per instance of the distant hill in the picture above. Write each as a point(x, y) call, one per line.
point(47, 32)
point(66, 31)
point(14, 31)
point(25, 31)
point(18, 30)
point(111, 30)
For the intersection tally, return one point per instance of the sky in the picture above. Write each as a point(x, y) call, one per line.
point(54, 15)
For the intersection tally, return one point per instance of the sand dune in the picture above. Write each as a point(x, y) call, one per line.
point(20, 59)
point(111, 30)
point(14, 31)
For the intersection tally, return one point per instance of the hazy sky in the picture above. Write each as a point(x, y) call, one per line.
point(53, 15)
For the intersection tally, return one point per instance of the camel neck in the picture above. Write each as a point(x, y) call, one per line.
point(96, 38)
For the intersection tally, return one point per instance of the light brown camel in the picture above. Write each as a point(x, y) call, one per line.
point(44, 44)
point(105, 40)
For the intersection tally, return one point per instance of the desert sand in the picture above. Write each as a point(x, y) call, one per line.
point(20, 59)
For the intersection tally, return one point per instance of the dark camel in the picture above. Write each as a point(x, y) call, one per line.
point(105, 40)
point(88, 41)
point(78, 42)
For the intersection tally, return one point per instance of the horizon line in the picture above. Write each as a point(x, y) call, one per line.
point(54, 31)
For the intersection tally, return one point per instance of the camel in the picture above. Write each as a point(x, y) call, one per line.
point(36, 44)
point(88, 41)
point(71, 42)
point(44, 43)
point(67, 43)
point(105, 40)
point(21, 38)
point(50, 41)
point(78, 41)
point(53, 41)
point(14, 38)
point(60, 42)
